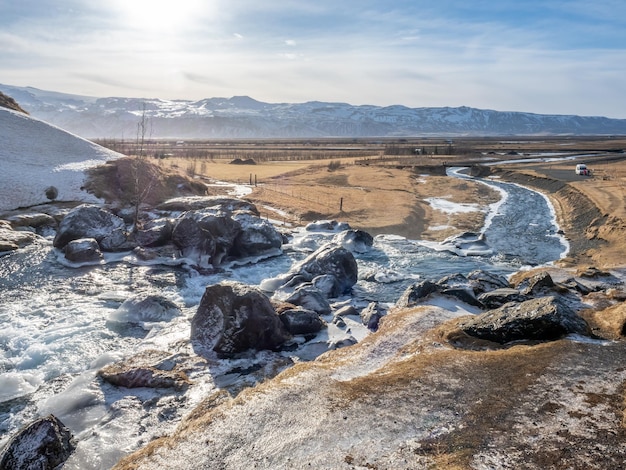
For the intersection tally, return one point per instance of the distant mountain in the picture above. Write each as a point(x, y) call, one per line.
point(244, 117)
point(35, 156)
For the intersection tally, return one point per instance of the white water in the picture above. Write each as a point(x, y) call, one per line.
point(61, 324)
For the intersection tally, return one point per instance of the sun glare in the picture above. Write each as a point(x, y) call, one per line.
point(163, 15)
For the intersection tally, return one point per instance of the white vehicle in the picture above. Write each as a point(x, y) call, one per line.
point(581, 169)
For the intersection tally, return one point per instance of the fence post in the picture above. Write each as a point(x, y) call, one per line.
point(341, 205)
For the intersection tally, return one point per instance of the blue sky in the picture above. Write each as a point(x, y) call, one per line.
point(550, 56)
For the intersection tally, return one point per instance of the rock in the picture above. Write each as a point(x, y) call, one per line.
point(152, 369)
point(356, 241)
point(467, 244)
point(218, 203)
point(346, 310)
point(328, 285)
point(371, 315)
point(157, 232)
point(44, 444)
point(464, 294)
point(300, 321)
point(83, 250)
point(39, 222)
point(592, 273)
point(11, 240)
point(257, 237)
point(205, 236)
point(145, 308)
point(453, 280)
point(544, 318)
point(326, 226)
point(498, 297)
point(415, 293)
point(89, 221)
point(330, 259)
point(536, 284)
point(233, 318)
point(484, 281)
point(310, 298)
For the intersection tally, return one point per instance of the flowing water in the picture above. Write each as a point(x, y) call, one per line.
point(56, 329)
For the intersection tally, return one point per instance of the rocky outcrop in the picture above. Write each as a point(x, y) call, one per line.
point(44, 444)
point(415, 293)
point(544, 318)
point(83, 250)
point(89, 221)
point(498, 297)
point(371, 315)
point(233, 318)
point(257, 236)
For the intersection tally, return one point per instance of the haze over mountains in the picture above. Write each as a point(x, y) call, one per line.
point(244, 117)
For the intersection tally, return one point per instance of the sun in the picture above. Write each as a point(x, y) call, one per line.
point(159, 15)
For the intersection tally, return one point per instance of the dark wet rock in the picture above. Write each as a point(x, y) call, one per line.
point(89, 221)
point(44, 444)
point(205, 236)
point(415, 293)
point(330, 259)
point(192, 203)
point(327, 226)
point(301, 321)
point(453, 280)
point(256, 237)
point(151, 369)
point(537, 284)
point(464, 294)
point(310, 298)
point(574, 285)
point(484, 281)
point(544, 318)
point(346, 310)
point(233, 318)
point(498, 297)
point(371, 315)
point(83, 250)
point(356, 241)
point(157, 232)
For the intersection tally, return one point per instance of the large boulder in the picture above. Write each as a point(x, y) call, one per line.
point(498, 297)
point(89, 221)
point(157, 232)
point(205, 235)
point(44, 444)
point(484, 281)
point(257, 237)
point(234, 318)
point(329, 259)
point(544, 318)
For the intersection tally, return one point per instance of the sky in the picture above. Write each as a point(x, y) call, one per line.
point(541, 56)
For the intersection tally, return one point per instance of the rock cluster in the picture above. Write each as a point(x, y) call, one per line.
point(536, 308)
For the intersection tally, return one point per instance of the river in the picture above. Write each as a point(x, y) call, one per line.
point(57, 327)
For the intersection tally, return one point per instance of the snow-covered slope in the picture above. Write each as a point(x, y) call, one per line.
point(244, 117)
point(35, 155)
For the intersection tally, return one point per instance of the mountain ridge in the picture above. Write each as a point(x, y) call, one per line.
point(244, 117)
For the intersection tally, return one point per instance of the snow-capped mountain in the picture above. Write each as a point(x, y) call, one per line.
point(36, 156)
point(244, 117)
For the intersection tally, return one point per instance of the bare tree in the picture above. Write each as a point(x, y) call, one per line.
point(143, 174)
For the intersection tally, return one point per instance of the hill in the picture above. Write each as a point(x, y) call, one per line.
point(244, 117)
point(36, 156)
point(10, 103)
